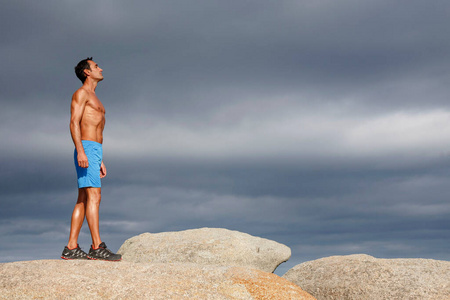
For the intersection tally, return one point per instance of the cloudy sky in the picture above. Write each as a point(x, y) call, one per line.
point(323, 125)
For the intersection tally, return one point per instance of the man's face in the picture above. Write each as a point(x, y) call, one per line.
point(95, 72)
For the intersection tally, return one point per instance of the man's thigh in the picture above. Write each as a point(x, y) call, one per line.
point(93, 193)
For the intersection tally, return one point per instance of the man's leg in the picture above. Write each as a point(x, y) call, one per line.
point(94, 196)
point(98, 249)
point(77, 218)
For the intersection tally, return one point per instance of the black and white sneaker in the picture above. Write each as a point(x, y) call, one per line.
point(103, 253)
point(76, 253)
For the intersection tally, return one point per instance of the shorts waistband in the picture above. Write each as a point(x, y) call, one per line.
point(86, 142)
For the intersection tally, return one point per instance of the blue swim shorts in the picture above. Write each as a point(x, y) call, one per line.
point(90, 176)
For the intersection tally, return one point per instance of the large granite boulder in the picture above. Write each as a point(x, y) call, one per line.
point(59, 279)
point(365, 277)
point(206, 246)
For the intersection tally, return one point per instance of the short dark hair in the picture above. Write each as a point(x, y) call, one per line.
point(81, 66)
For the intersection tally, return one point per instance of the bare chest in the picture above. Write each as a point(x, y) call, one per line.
point(95, 104)
point(94, 112)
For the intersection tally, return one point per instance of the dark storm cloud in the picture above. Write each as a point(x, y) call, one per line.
point(284, 47)
point(322, 125)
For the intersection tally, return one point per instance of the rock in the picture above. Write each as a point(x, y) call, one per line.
point(365, 277)
point(59, 279)
point(206, 246)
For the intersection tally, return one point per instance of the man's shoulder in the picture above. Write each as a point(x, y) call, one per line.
point(80, 95)
point(81, 91)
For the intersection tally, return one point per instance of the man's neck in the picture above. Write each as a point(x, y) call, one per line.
point(90, 84)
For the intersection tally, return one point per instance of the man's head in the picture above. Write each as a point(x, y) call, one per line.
point(87, 67)
point(79, 69)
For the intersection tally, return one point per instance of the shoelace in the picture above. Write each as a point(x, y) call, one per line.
point(78, 252)
point(104, 252)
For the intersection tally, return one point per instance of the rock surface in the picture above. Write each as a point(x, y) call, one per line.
point(206, 246)
point(366, 277)
point(59, 279)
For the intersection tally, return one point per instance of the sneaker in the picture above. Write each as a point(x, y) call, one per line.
point(76, 253)
point(103, 253)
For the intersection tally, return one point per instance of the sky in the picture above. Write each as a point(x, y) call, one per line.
point(322, 125)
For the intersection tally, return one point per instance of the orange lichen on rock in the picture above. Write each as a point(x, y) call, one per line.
point(262, 285)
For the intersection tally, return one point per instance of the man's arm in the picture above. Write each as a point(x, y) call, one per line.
point(102, 170)
point(79, 100)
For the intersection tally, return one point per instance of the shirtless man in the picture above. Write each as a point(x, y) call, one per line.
point(86, 127)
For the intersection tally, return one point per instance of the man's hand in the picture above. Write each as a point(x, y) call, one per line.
point(82, 160)
point(102, 170)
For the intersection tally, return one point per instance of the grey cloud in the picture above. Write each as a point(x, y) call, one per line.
point(289, 46)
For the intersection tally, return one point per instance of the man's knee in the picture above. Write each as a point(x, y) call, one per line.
point(94, 194)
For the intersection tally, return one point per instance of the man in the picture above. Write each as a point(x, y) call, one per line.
point(86, 127)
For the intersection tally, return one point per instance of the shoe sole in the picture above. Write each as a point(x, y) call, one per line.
point(92, 258)
point(66, 258)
